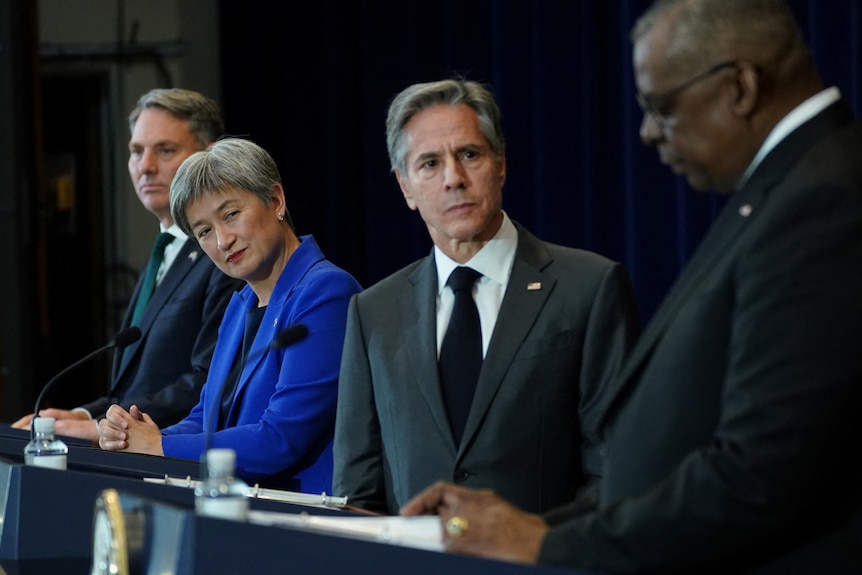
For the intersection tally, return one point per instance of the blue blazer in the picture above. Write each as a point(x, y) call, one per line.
point(281, 421)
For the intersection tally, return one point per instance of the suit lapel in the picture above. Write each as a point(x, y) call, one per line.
point(526, 294)
point(727, 230)
point(185, 261)
point(418, 311)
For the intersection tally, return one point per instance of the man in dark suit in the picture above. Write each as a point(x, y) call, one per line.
point(733, 442)
point(163, 372)
point(556, 323)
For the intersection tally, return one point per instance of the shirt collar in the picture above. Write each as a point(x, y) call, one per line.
point(494, 261)
point(798, 116)
point(175, 231)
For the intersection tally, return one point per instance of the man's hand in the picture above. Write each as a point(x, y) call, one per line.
point(131, 430)
point(58, 414)
point(479, 522)
point(81, 428)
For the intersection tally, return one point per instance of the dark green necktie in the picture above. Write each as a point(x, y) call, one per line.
point(156, 257)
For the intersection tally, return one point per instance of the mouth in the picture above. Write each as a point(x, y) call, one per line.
point(232, 258)
point(459, 208)
point(151, 187)
point(675, 164)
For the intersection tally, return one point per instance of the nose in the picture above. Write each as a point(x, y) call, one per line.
point(146, 163)
point(224, 239)
point(650, 132)
point(454, 175)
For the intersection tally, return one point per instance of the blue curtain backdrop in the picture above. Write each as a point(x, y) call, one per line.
point(311, 81)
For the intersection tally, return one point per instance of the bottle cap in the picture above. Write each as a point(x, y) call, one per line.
point(221, 459)
point(43, 425)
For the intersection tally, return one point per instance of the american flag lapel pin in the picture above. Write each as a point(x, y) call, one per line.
point(533, 286)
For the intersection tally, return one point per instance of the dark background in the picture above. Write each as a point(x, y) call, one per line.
point(311, 82)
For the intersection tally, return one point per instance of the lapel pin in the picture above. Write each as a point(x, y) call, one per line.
point(745, 210)
point(533, 286)
point(193, 256)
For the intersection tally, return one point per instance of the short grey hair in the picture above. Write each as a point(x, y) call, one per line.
point(451, 92)
point(229, 163)
point(711, 31)
point(202, 113)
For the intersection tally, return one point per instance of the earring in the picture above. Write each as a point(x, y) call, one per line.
point(281, 217)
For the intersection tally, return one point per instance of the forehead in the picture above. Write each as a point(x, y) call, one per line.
point(157, 125)
point(442, 126)
point(210, 201)
point(649, 57)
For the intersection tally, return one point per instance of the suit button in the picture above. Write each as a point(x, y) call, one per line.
point(461, 476)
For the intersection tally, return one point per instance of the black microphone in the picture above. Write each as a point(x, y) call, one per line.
point(285, 338)
point(125, 337)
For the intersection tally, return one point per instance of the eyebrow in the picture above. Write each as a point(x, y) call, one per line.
point(218, 209)
point(421, 158)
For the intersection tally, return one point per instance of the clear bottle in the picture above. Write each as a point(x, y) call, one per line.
point(221, 494)
point(45, 450)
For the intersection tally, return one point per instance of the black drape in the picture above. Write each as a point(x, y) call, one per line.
point(311, 81)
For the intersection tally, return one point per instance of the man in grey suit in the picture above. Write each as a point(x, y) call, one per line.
point(556, 323)
point(733, 439)
point(163, 372)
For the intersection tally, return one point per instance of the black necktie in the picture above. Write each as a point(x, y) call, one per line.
point(461, 351)
point(156, 257)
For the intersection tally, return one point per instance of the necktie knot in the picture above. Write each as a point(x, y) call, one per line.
point(462, 278)
point(162, 242)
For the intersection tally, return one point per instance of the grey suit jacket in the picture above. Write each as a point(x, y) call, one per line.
point(163, 372)
point(734, 442)
point(567, 320)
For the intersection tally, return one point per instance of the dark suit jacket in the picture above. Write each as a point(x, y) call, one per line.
point(531, 432)
point(163, 372)
point(734, 441)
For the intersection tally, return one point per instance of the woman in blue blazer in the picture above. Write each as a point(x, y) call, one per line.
point(274, 405)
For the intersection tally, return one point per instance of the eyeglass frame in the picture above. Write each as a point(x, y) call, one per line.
point(650, 104)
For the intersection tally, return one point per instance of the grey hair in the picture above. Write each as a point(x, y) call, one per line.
point(451, 92)
point(762, 31)
point(202, 113)
point(229, 163)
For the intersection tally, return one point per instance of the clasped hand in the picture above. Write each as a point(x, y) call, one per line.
point(131, 430)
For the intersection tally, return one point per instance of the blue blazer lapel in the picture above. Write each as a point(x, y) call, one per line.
point(269, 328)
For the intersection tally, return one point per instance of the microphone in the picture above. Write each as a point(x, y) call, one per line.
point(285, 338)
point(124, 338)
point(289, 336)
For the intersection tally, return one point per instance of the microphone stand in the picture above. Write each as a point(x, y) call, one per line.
point(122, 339)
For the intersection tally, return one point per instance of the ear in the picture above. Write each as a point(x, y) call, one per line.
point(277, 201)
point(501, 169)
point(405, 190)
point(747, 88)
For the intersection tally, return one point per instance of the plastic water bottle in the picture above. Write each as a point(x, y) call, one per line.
point(222, 495)
point(45, 450)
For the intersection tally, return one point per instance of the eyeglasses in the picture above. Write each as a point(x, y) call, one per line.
point(658, 105)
